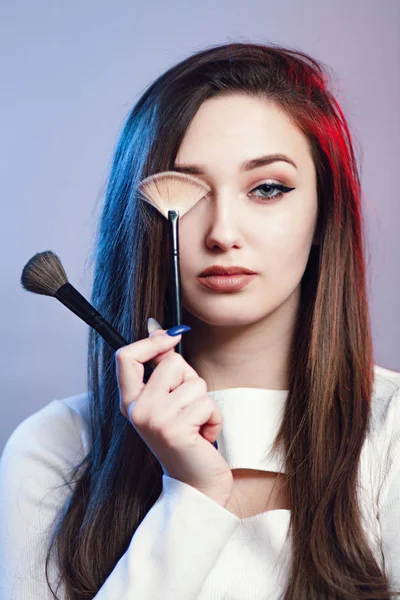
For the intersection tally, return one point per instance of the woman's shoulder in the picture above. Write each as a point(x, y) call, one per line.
point(36, 479)
point(57, 433)
point(384, 425)
point(386, 395)
point(384, 455)
point(386, 379)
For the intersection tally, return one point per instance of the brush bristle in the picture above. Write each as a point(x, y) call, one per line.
point(171, 190)
point(43, 274)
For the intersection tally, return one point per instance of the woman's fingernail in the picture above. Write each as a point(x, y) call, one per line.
point(152, 325)
point(178, 329)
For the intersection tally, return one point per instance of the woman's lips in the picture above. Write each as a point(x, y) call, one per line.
point(227, 283)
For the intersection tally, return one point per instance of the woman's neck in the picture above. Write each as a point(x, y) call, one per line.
point(255, 355)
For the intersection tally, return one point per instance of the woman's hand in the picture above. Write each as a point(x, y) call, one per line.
point(172, 412)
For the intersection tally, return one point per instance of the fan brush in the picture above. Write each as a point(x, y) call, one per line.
point(173, 194)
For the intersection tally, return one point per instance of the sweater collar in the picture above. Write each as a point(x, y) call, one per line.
point(252, 417)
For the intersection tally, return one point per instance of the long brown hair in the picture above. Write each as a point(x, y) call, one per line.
point(332, 369)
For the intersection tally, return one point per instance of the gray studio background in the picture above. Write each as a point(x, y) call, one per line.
point(71, 71)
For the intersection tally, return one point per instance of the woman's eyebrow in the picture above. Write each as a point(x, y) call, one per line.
point(254, 163)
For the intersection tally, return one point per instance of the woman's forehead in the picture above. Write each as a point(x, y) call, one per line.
point(235, 130)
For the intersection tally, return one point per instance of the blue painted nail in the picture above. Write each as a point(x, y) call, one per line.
point(178, 329)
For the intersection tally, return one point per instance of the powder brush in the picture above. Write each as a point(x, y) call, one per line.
point(173, 194)
point(44, 274)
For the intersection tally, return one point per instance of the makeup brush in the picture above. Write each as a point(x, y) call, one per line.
point(44, 274)
point(173, 194)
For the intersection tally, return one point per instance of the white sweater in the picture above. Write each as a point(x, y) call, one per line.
point(188, 546)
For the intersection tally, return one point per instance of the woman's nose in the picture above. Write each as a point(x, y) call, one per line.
point(224, 228)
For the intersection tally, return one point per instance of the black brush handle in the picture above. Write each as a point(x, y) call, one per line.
point(73, 300)
point(173, 217)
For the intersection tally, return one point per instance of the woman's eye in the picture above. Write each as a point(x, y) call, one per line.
point(267, 187)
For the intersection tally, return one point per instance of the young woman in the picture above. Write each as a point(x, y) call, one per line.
point(119, 493)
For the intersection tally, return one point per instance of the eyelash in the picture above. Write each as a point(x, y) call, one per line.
point(274, 186)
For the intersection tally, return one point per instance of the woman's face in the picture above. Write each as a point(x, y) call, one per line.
point(237, 224)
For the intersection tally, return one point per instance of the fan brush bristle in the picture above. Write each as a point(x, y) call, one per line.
point(171, 190)
point(43, 274)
